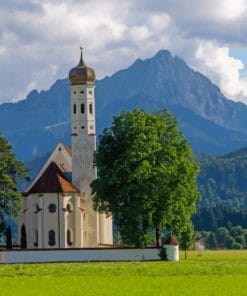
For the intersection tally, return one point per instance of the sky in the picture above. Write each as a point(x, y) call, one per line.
point(40, 39)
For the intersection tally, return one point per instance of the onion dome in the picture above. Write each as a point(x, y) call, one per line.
point(81, 74)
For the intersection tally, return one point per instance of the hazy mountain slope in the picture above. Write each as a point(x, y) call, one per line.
point(210, 121)
point(168, 80)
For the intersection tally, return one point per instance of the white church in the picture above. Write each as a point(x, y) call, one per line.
point(57, 208)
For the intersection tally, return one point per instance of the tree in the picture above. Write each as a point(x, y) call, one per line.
point(10, 170)
point(229, 242)
point(221, 235)
point(236, 231)
point(237, 246)
point(187, 237)
point(2, 223)
point(8, 238)
point(146, 175)
point(212, 242)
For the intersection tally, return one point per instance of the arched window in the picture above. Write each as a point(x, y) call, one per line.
point(91, 108)
point(74, 108)
point(51, 237)
point(52, 208)
point(69, 207)
point(36, 238)
point(23, 237)
point(69, 237)
point(37, 209)
point(82, 108)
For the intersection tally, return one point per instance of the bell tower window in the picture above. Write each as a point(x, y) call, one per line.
point(74, 108)
point(82, 108)
point(91, 108)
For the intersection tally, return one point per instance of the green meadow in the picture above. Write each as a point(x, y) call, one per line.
point(203, 273)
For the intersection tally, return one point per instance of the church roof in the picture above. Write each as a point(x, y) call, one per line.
point(67, 148)
point(81, 74)
point(52, 180)
point(170, 240)
point(61, 155)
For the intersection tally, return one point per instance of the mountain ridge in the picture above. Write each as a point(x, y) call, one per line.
point(211, 122)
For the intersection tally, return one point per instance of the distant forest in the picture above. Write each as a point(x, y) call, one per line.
point(222, 183)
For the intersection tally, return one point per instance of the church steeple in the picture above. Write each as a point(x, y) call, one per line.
point(81, 74)
point(83, 141)
point(81, 63)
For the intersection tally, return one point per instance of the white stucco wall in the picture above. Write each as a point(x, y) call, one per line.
point(43, 221)
point(86, 255)
point(172, 252)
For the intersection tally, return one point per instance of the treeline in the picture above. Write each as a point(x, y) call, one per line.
point(224, 238)
point(210, 218)
point(222, 183)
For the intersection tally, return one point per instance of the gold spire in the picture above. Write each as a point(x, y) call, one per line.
point(81, 59)
point(81, 74)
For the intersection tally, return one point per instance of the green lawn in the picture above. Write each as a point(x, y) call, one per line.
point(203, 273)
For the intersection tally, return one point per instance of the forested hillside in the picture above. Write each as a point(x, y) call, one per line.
point(223, 186)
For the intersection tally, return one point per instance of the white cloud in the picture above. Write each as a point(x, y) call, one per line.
point(223, 69)
point(39, 40)
point(231, 9)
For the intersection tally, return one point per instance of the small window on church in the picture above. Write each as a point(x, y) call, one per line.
point(69, 237)
point(82, 108)
point(69, 207)
point(90, 92)
point(82, 92)
point(37, 209)
point(74, 108)
point(74, 92)
point(51, 237)
point(52, 208)
point(91, 108)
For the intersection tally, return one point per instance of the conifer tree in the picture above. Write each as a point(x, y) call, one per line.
point(212, 242)
point(10, 170)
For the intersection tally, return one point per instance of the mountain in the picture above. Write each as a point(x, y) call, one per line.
point(211, 122)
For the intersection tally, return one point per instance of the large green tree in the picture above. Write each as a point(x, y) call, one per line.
point(146, 175)
point(10, 170)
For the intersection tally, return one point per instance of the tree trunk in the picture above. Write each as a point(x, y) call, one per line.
point(185, 253)
point(157, 234)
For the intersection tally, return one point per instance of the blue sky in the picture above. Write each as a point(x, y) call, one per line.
point(241, 54)
point(39, 40)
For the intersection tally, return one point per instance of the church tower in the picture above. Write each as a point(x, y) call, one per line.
point(83, 140)
point(57, 212)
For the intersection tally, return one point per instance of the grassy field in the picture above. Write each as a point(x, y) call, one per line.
point(203, 273)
